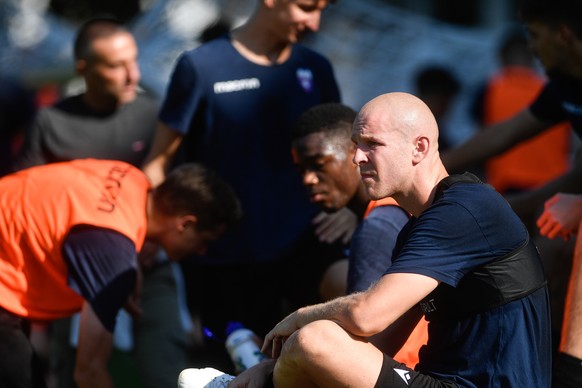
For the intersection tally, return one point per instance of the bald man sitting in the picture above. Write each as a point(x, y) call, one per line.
point(464, 260)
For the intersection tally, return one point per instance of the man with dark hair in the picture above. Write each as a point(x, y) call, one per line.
point(322, 151)
point(113, 120)
point(110, 119)
point(69, 239)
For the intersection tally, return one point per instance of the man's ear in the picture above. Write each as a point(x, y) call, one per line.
point(421, 148)
point(187, 221)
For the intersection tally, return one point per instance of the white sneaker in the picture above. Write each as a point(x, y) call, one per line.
point(203, 378)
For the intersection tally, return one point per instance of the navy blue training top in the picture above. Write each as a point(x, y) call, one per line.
point(102, 268)
point(372, 244)
point(236, 117)
point(468, 226)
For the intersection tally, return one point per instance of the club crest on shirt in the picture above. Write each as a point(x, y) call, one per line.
point(305, 78)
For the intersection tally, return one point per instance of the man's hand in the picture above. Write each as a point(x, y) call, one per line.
point(331, 227)
point(254, 377)
point(164, 146)
point(561, 217)
point(275, 339)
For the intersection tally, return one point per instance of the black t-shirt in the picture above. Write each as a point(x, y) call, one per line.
point(72, 130)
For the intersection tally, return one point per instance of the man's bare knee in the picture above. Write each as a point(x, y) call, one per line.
point(305, 353)
point(312, 341)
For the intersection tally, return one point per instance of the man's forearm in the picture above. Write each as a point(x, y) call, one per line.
point(165, 144)
point(480, 147)
point(492, 141)
point(351, 312)
point(155, 170)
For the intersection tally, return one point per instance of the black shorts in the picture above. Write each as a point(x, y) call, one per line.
point(395, 374)
point(19, 365)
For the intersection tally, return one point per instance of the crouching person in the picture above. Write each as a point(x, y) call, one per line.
point(70, 234)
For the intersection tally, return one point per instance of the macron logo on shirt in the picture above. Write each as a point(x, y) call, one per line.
point(236, 85)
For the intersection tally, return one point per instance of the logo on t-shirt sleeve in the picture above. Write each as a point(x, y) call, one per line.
point(404, 374)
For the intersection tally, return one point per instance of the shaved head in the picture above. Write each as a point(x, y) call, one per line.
point(396, 137)
point(401, 112)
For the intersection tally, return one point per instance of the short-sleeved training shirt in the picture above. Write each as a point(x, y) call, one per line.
point(236, 117)
point(372, 244)
point(468, 226)
point(73, 130)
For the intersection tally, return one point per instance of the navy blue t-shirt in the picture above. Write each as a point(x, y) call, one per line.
point(560, 100)
point(466, 227)
point(372, 244)
point(236, 117)
point(102, 268)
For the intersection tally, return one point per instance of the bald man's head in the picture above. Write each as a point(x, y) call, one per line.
point(401, 112)
point(396, 137)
